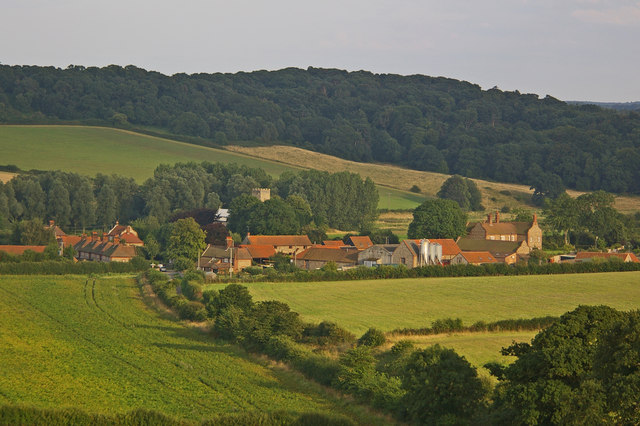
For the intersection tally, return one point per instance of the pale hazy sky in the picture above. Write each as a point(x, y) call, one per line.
point(569, 49)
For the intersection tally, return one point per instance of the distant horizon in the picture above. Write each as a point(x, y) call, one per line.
point(540, 95)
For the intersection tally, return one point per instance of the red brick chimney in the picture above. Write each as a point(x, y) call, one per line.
point(104, 237)
point(229, 242)
point(51, 223)
point(94, 236)
point(535, 218)
point(497, 216)
point(489, 218)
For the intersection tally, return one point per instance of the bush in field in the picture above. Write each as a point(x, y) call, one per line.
point(191, 289)
point(192, 311)
point(447, 325)
point(228, 324)
point(232, 295)
point(441, 387)
point(373, 338)
point(271, 318)
point(327, 333)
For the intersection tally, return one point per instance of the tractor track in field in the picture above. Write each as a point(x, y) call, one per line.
point(98, 346)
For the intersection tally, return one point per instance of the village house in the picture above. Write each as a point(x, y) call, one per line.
point(585, 256)
point(285, 244)
point(57, 232)
point(377, 254)
point(473, 258)
point(223, 259)
point(259, 254)
point(493, 230)
point(124, 234)
point(317, 257)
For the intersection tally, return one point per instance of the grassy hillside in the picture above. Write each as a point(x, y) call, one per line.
point(92, 150)
point(67, 342)
point(495, 195)
point(391, 304)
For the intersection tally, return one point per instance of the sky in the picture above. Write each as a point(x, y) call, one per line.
point(586, 50)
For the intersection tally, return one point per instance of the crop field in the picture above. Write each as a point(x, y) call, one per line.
point(417, 302)
point(6, 176)
point(72, 342)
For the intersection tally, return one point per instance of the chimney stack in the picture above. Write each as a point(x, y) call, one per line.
point(489, 218)
point(497, 216)
point(104, 237)
point(229, 242)
point(51, 223)
point(94, 236)
point(535, 218)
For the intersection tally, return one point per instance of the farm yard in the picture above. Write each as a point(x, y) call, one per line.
point(100, 349)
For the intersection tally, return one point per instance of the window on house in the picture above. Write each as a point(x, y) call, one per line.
point(491, 237)
point(403, 260)
point(502, 237)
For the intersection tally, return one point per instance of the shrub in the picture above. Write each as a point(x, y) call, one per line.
point(415, 189)
point(193, 311)
point(372, 338)
point(191, 289)
point(327, 333)
point(447, 325)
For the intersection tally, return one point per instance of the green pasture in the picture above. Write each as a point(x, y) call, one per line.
point(67, 342)
point(417, 302)
point(93, 150)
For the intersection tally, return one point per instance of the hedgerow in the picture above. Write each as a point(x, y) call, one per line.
point(432, 271)
point(68, 267)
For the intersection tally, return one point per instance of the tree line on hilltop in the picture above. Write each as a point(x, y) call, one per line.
point(425, 123)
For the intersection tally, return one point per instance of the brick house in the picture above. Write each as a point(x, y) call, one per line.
point(125, 234)
point(222, 259)
point(100, 249)
point(494, 230)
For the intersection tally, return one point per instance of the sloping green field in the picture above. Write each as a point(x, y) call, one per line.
point(67, 342)
point(417, 302)
point(92, 150)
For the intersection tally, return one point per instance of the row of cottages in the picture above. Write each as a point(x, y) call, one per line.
point(118, 245)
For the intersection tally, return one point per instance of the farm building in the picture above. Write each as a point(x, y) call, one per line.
point(504, 251)
point(361, 243)
point(378, 254)
point(585, 256)
point(414, 253)
point(494, 230)
point(473, 258)
point(317, 257)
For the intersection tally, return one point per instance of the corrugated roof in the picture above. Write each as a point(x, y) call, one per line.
point(19, 250)
point(279, 240)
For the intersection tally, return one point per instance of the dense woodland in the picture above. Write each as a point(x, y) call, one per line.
point(425, 123)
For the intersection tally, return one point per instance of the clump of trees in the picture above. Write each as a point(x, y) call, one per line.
point(463, 191)
point(438, 218)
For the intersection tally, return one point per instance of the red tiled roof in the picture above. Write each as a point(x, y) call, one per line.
point(333, 243)
point(70, 240)
point(260, 251)
point(19, 250)
point(130, 238)
point(624, 256)
point(279, 240)
point(361, 243)
point(478, 257)
point(117, 230)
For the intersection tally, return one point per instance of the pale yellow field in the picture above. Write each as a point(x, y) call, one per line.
point(6, 176)
point(400, 178)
